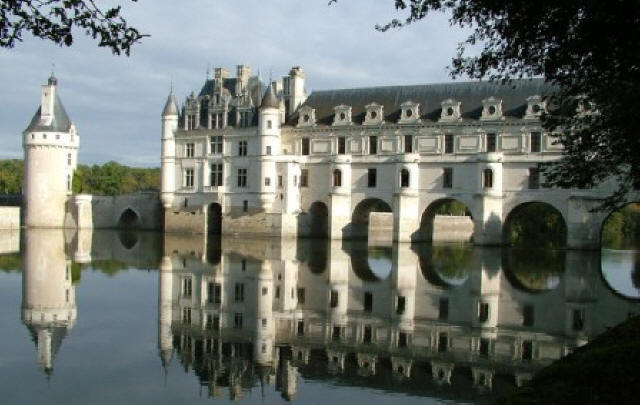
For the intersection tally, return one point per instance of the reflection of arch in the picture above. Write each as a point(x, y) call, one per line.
point(371, 263)
point(535, 224)
point(444, 206)
point(129, 219)
point(533, 271)
point(318, 220)
point(447, 266)
point(214, 219)
point(214, 250)
point(361, 215)
point(318, 256)
point(627, 289)
point(621, 228)
point(128, 238)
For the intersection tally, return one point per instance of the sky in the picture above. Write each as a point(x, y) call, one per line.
point(116, 101)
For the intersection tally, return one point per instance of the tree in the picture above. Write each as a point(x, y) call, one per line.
point(55, 19)
point(587, 48)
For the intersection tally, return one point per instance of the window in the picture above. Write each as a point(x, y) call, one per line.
point(305, 146)
point(337, 178)
point(189, 150)
point(483, 312)
point(186, 287)
point(216, 175)
point(245, 206)
point(448, 143)
point(408, 144)
point(213, 292)
point(443, 308)
point(186, 315)
point(243, 119)
point(279, 181)
point(487, 178)
point(404, 178)
point(373, 145)
point(216, 144)
point(484, 347)
point(400, 305)
point(368, 302)
point(304, 178)
point(278, 292)
point(191, 122)
point(300, 293)
point(268, 151)
point(300, 328)
point(367, 334)
point(69, 159)
point(443, 342)
point(536, 141)
point(335, 334)
point(243, 264)
point(267, 181)
point(269, 124)
point(242, 177)
point(237, 320)
point(534, 178)
point(342, 145)
point(491, 142)
point(265, 290)
point(528, 315)
point(371, 178)
point(402, 337)
point(188, 177)
point(447, 177)
point(69, 183)
point(295, 181)
point(264, 325)
point(239, 292)
point(216, 121)
point(578, 319)
point(334, 299)
point(527, 350)
point(242, 148)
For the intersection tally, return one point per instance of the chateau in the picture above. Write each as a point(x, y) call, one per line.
point(242, 157)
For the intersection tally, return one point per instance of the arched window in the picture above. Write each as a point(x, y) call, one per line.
point(337, 178)
point(488, 178)
point(269, 124)
point(404, 178)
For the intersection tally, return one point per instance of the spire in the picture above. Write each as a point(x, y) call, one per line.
point(53, 81)
point(171, 107)
point(270, 100)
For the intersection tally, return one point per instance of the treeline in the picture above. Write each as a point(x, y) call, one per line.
point(108, 179)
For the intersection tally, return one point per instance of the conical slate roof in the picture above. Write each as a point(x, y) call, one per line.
point(270, 100)
point(60, 122)
point(171, 107)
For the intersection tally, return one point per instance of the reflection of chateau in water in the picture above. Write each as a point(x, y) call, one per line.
point(48, 292)
point(269, 310)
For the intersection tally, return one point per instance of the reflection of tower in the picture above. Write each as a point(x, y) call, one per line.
point(264, 322)
point(580, 272)
point(405, 266)
point(48, 296)
point(165, 342)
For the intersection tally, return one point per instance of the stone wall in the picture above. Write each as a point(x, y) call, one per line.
point(106, 212)
point(9, 217)
point(451, 228)
point(10, 241)
point(380, 227)
point(194, 221)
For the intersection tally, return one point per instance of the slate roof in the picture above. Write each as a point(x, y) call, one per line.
point(60, 122)
point(429, 96)
point(171, 107)
point(270, 100)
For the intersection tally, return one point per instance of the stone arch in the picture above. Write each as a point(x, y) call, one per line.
point(318, 220)
point(620, 228)
point(214, 219)
point(535, 223)
point(129, 219)
point(361, 217)
point(455, 228)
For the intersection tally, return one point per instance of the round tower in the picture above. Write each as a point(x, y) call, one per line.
point(50, 145)
point(168, 158)
point(268, 147)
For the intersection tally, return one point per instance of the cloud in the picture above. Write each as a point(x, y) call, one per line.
point(116, 101)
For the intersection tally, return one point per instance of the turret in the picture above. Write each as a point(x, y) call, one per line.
point(50, 145)
point(294, 89)
point(165, 341)
point(268, 146)
point(168, 159)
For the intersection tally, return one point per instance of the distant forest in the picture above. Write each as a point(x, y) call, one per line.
point(110, 178)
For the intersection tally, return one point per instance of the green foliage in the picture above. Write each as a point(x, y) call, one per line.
point(76, 273)
point(55, 21)
point(11, 262)
point(586, 48)
point(11, 176)
point(622, 229)
point(533, 269)
point(536, 225)
point(453, 207)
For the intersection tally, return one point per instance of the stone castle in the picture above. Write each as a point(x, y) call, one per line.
point(245, 157)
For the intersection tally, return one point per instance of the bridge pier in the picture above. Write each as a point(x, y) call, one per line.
point(583, 226)
point(405, 212)
point(488, 223)
point(339, 215)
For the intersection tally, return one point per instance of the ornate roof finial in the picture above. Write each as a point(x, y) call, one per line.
point(52, 79)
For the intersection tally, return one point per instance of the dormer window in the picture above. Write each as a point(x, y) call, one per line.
point(451, 110)
point(535, 107)
point(307, 116)
point(409, 112)
point(491, 109)
point(373, 114)
point(342, 115)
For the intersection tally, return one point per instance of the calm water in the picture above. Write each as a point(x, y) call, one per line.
point(108, 317)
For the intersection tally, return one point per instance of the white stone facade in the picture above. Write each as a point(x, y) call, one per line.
point(403, 148)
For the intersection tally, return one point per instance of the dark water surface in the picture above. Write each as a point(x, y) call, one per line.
point(109, 317)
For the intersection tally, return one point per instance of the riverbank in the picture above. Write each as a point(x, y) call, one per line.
point(605, 371)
